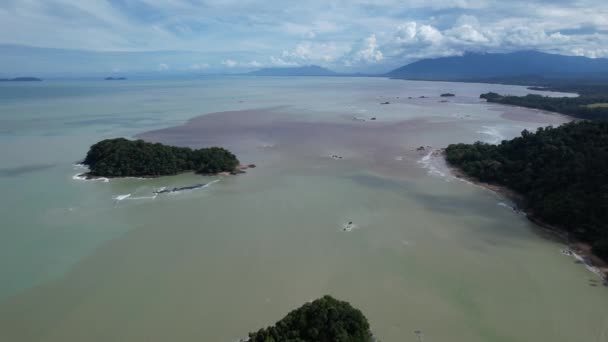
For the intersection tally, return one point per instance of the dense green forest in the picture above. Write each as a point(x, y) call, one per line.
point(323, 320)
point(591, 107)
point(562, 172)
point(136, 158)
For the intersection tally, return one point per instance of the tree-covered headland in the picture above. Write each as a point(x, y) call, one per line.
point(591, 107)
point(136, 158)
point(323, 320)
point(562, 173)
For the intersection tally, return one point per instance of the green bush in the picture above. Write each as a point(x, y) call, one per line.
point(323, 320)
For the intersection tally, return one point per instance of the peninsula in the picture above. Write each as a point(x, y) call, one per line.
point(121, 157)
point(562, 174)
point(587, 106)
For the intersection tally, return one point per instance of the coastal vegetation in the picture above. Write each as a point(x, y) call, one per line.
point(136, 158)
point(323, 320)
point(561, 172)
point(591, 107)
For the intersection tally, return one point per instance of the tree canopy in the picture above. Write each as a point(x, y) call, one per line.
point(136, 158)
point(562, 172)
point(584, 107)
point(323, 320)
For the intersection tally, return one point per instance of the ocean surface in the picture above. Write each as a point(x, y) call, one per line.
point(113, 261)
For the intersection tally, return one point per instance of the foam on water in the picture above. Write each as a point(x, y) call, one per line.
point(121, 197)
point(568, 252)
point(82, 177)
point(494, 135)
point(430, 163)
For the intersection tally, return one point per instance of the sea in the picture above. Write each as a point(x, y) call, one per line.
point(349, 197)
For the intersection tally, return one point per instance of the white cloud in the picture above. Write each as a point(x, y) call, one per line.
point(163, 67)
point(310, 52)
point(254, 64)
point(230, 63)
point(200, 66)
point(369, 52)
point(363, 33)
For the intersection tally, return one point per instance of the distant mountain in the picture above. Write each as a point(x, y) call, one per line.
point(20, 79)
point(310, 70)
point(511, 67)
point(115, 78)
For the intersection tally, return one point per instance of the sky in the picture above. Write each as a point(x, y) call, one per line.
point(231, 36)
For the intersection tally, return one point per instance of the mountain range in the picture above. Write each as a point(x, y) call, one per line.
point(506, 66)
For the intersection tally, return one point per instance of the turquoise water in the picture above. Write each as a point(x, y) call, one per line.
point(427, 252)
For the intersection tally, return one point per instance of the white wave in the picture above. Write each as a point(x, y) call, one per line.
point(142, 198)
point(514, 208)
point(493, 133)
point(583, 261)
point(503, 204)
point(121, 197)
point(82, 177)
point(428, 162)
point(399, 158)
point(80, 167)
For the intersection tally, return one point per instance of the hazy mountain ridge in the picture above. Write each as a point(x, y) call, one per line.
point(513, 66)
point(309, 70)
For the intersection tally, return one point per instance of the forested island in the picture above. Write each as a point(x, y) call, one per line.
point(591, 107)
point(20, 79)
point(561, 172)
point(136, 158)
point(323, 320)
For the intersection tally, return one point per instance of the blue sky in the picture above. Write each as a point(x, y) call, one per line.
point(211, 36)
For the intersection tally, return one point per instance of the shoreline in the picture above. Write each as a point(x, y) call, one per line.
point(86, 176)
point(580, 250)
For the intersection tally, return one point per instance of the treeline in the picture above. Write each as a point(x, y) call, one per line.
point(136, 158)
point(323, 320)
point(562, 172)
point(585, 107)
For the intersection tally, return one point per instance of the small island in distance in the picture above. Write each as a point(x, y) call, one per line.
point(112, 158)
point(115, 78)
point(21, 79)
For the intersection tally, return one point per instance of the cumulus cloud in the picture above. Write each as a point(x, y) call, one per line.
point(367, 53)
point(360, 33)
point(230, 63)
point(310, 52)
